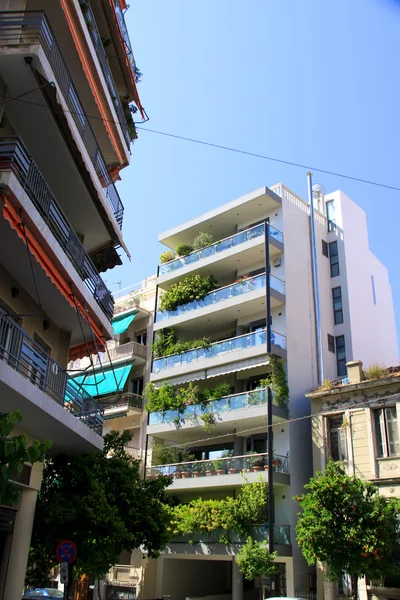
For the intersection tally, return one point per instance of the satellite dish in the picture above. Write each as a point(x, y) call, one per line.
point(318, 188)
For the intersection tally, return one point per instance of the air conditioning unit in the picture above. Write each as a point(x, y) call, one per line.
point(277, 262)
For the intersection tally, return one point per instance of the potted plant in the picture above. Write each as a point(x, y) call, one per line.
point(178, 473)
point(220, 467)
point(209, 466)
point(234, 466)
point(255, 462)
point(198, 469)
point(276, 463)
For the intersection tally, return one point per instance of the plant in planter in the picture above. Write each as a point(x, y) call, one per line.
point(234, 466)
point(209, 420)
point(188, 289)
point(255, 462)
point(220, 467)
point(167, 256)
point(184, 249)
point(199, 469)
point(278, 382)
point(202, 240)
point(210, 469)
point(186, 474)
point(178, 473)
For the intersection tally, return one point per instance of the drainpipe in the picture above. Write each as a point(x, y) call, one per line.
point(317, 311)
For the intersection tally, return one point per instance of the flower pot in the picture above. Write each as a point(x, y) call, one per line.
point(210, 473)
point(197, 474)
point(257, 468)
point(177, 475)
point(151, 476)
point(276, 463)
point(233, 471)
point(186, 474)
point(221, 471)
point(266, 468)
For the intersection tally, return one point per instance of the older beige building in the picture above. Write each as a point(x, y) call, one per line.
point(358, 423)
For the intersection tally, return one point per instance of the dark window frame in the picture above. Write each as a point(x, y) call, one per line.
point(334, 259)
point(340, 345)
point(325, 248)
point(337, 302)
point(331, 343)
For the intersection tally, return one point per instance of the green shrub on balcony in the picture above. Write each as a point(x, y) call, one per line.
point(164, 453)
point(184, 249)
point(167, 256)
point(167, 343)
point(188, 289)
point(202, 240)
point(231, 515)
point(278, 382)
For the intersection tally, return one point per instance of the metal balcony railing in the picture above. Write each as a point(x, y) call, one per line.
point(230, 291)
point(121, 400)
point(128, 350)
point(220, 467)
point(29, 359)
point(105, 67)
point(125, 36)
point(222, 405)
point(229, 242)
point(257, 532)
point(14, 157)
point(241, 342)
point(32, 27)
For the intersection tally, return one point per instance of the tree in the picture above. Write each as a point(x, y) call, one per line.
point(14, 452)
point(100, 502)
point(255, 560)
point(348, 526)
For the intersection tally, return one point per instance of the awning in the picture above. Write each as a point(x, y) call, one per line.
point(108, 381)
point(121, 324)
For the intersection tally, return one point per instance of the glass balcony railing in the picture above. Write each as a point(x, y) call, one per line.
point(221, 246)
point(221, 467)
point(241, 342)
point(257, 532)
point(229, 291)
point(222, 405)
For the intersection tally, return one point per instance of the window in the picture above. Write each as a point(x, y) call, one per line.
point(340, 355)
point(324, 248)
point(141, 338)
point(330, 211)
point(334, 259)
point(137, 386)
point(337, 438)
point(387, 432)
point(331, 343)
point(337, 305)
point(373, 289)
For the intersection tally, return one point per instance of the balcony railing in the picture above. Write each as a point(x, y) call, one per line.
point(121, 400)
point(123, 574)
point(32, 27)
point(241, 342)
point(224, 293)
point(221, 246)
point(128, 350)
point(222, 405)
point(125, 36)
point(29, 359)
point(105, 67)
point(220, 467)
point(257, 532)
point(14, 157)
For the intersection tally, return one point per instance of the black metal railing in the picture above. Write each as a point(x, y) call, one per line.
point(105, 67)
point(14, 157)
point(32, 27)
point(27, 357)
point(125, 36)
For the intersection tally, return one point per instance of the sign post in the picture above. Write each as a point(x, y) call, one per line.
point(65, 554)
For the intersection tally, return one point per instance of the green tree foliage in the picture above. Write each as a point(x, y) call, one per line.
point(164, 453)
point(100, 502)
point(255, 560)
point(348, 526)
point(184, 249)
point(278, 382)
point(188, 289)
point(14, 452)
point(167, 343)
point(202, 240)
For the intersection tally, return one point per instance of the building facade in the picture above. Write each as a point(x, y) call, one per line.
point(67, 88)
point(358, 424)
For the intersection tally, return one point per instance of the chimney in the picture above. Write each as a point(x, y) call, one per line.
point(355, 371)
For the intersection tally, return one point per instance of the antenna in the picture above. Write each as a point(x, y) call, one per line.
point(119, 284)
point(319, 193)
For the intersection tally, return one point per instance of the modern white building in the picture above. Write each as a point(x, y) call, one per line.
point(356, 320)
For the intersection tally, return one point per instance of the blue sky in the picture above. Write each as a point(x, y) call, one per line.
point(313, 82)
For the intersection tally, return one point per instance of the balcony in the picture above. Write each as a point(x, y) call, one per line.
point(128, 351)
point(105, 67)
point(220, 248)
point(257, 532)
point(15, 158)
point(30, 28)
point(125, 37)
point(248, 346)
point(121, 404)
point(123, 575)
point(227, 293)
point(24, 355)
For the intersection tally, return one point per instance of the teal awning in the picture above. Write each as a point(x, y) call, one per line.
point(108, 382)
point(121, 324)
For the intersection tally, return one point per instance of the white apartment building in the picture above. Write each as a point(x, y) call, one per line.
point(356, 320)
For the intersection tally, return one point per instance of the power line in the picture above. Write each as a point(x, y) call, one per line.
point(218, 146)
point(270, 158)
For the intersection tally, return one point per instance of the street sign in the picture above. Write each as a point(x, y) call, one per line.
point(66, 551)
point(64, 571)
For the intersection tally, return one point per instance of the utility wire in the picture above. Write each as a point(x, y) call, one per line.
point(220, 147)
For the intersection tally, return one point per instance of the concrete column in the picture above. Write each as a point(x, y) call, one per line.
point(238, 446)
point(159, 577)
point(237, 582)
point(20, 546)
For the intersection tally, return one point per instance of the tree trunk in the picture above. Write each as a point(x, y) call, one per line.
point(261, 588)
point(354, 585)
point(82, 588)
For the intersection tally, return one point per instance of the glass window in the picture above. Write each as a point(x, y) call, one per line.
point(331, 343)
point(340, 355)
point(137, 386)
point(334, 259)
point(387, 432)
point(324, 248)
point(373, 289)
point(142, 339)
point(337, 305)
point(337, 438)
point(330, 211)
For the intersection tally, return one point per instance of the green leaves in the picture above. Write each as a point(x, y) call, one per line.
point(14, 452)
point(255, 560)
point(278, 382)
point(188, 289)
point(347, 525)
